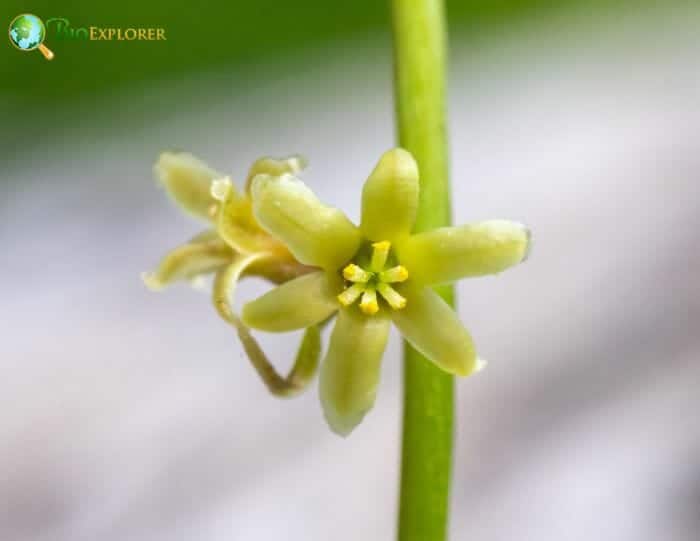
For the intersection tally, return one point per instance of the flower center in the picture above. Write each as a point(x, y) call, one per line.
point(366, 280)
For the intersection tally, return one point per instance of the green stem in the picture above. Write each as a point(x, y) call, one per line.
point(420, 65)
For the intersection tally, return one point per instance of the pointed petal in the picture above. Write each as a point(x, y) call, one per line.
point(187, 180)
point(432, 327)
point(308, 354)
point(199, 256)
point(390, 197)
point(450, 253)
point(350, 371)
point(299, 303)
point(275, 167)
point(315, 234)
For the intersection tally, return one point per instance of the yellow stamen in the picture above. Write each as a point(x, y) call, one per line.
point(395, 300)
point(369, 304)
point(394, 274)
point(379, 254)
point(373, 279)
point(353, 273)
point(350, 295)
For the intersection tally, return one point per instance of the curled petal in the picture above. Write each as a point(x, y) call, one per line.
point(236, 224)
point(201, 255)
point(226, 281)
point(275, 167)
point(390, 197)
point(432, 327)
point(350, 371)
point(450, 253)
point(315, 234)
point(187, 180)
point(296, 304)
point(306, 361)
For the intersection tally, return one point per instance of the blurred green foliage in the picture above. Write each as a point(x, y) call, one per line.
point(52, 103)
point(204, 35)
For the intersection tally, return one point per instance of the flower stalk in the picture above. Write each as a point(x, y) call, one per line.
point(420, 79)
point(368, 276)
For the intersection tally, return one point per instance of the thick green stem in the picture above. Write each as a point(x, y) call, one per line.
point(420, 65)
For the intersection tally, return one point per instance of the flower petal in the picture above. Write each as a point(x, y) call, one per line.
point(201, 255)
point(314, 233)
point(278, 269)
point(226, 281)
point(299, 303)
point(236, 224)
point(309, 351)
point(450, 253)
point(275, 167)
point(350, 371)
point(390, 197)
point(187, 180)
point(432, 327)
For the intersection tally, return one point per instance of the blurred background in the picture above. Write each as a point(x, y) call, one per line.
point(128, 415)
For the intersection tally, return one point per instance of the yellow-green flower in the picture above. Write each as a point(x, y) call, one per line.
point(231, 247)
point(233, 231)
point(372, 275)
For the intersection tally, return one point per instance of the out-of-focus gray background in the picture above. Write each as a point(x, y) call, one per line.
point(128, 415)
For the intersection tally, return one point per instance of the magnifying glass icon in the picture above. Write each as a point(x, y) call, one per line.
point(27, 32)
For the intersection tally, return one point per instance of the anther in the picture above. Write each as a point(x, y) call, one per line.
point(394, 274)
point(350, 295)
point(369, 304)
point(353, 273)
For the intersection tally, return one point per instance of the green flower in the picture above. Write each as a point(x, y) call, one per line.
point(233, 246)
point(373, 275)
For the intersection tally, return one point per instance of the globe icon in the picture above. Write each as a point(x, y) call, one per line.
point(27, 32)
